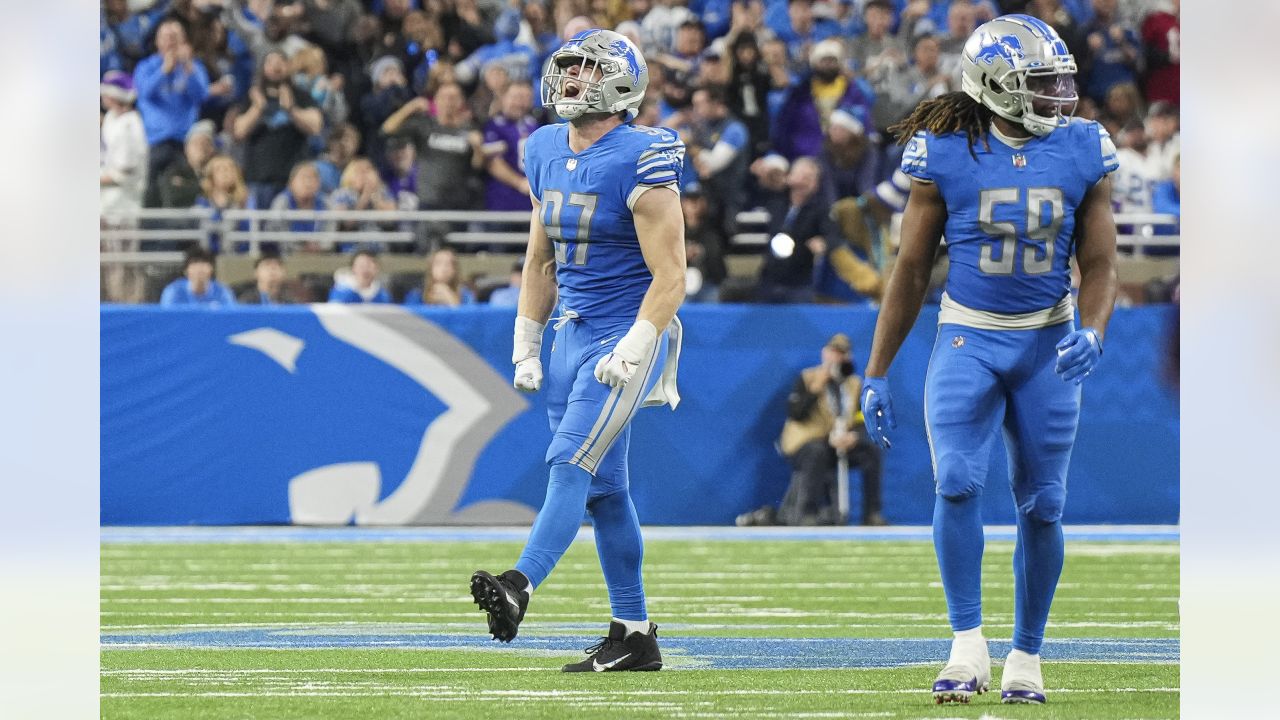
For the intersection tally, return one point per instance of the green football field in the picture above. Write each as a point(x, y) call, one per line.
point(344, 623)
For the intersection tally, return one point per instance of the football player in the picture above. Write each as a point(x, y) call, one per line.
point(606, 245)
point(1018, 187)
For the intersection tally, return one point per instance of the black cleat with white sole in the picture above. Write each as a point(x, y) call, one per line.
point(619, 651)
point(503, 599)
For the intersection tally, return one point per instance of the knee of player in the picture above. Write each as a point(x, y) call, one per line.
point(564, 449)
point(1046, 505)
point(958, 477)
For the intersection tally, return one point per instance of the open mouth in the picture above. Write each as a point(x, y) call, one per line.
point(572, 90)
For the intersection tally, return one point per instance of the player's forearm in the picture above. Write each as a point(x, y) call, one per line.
point(1097, 297)
point(902, 301)
point(1096, 255)
point(662, 300)
point(537, 293)
point(537, 279)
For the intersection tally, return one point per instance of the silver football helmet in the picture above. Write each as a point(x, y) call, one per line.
point(1017, 66)
point(595, 71)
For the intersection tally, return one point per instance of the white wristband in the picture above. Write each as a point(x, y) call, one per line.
point(528, 339)
point(636, 345)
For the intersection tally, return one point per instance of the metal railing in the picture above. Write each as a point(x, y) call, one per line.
point(125, 235)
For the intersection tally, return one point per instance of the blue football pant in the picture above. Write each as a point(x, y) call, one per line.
point(588, 459)
point(980, 382)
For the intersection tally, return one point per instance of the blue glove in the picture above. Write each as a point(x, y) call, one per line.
point(877, 410)
point(1078, 355)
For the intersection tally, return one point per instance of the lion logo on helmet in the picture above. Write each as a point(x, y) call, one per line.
point(1007, 47)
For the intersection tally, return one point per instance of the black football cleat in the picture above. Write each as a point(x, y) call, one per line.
point(503, 599)
point(619, 651)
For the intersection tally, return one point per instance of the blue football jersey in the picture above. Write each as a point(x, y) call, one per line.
point(1011, 213)
point(586, 201)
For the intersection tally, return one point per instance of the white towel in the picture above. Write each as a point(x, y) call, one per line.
point(664, 391)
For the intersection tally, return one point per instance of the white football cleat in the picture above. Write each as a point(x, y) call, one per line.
point(1021, 682)
point(967, 672)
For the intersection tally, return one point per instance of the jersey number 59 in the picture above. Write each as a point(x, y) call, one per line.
point(1005, 233)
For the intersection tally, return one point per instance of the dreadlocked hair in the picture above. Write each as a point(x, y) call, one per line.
point(950, 113)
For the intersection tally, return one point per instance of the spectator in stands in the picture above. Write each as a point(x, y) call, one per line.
point(449, 149)
point(360, 283)
point(401, 174)
point(823, 423)
point(1123, 104)
point(962, 18)
point(341, 145)
point(222, 188)
point(851, 271)
point(750, 83)
point(269, 286)
point(660, 23)
point(126, 32)
point(719, 152)
point(1162, 135)
point(362, 189)
point(1166, 199)
point(1161, 37)
point(798, 234)
point(171, 86)
point(274, 126)
point(302, 193)
point(332, 23)
point(122, 173)
point(1064, 22)
point(504, 137)
point(442, 284)
point(705, 244)
point(1132, 182)
point(770, 175)
point(518, 59)
point(685, 56)
point(390, 92)
point(509, 295)
point(878, 51)
point(310, 76)
point(808, 104)
point(538, 31)
point(197, 286)
point(849, 164)
point(900, 89)
point(123, 163)
point(465, 28)
point(1111, 52)
point(180, 182)
point(803, 32)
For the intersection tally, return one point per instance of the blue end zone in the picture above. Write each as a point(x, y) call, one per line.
point(297, 534)
point(714, 653)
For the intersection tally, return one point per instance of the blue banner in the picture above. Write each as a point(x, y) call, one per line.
point(334, 414)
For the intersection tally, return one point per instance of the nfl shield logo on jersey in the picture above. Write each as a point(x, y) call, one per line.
point(571, 164)
point(1019, 160)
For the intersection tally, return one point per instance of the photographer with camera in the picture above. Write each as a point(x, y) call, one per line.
point(823, 426)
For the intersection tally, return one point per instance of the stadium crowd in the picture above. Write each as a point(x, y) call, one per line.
point(784, 105)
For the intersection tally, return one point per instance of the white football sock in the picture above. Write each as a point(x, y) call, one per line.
point(1020, 661)
point(967, 644)
point(634, 626)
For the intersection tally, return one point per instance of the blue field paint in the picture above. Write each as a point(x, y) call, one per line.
point(295, 534)
point(713, 653)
